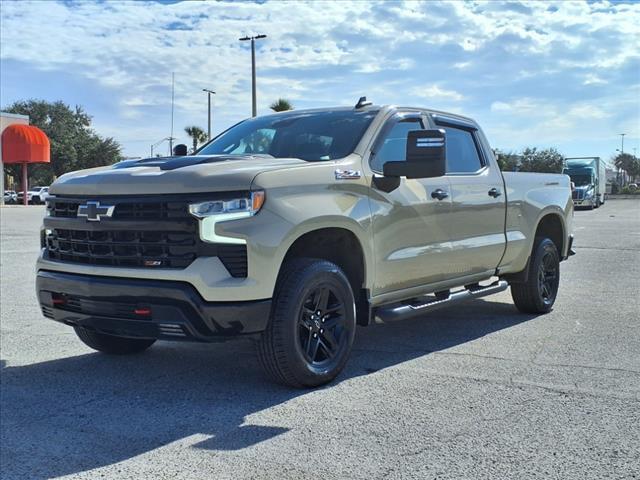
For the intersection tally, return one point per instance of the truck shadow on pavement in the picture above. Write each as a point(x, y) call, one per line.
point(79, 413)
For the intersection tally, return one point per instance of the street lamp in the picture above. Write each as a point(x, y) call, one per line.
point(620, 177)
point(158, 143)
point(253, 69)
point(209, 93)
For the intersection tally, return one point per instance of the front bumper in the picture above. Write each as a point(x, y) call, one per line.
point(141, 308)
point(588, 202)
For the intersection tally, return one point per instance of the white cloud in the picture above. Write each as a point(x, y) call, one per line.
point(509, 64)
point(435, 92)
point(593, 79)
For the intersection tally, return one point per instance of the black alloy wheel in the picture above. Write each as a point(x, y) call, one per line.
point(548, 278)
point(538, 292)
point(312, 326)
point(321, 326)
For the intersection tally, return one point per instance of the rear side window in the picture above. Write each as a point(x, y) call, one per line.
point(394, 145)
point(462, 153)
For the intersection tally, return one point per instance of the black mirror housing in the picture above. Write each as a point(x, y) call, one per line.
point(426, 156)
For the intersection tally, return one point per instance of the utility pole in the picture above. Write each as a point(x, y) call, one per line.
point(254, 109)
point(173, 88)
point(157, 143)
point(209, 93)
point(621, 176)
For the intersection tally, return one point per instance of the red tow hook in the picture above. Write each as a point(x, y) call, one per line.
point(57, 299)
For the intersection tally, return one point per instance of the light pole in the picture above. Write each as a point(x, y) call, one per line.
point(158, 143)
point(253, 39)
point(173, 96)
point(209, 93)
point(621, 179)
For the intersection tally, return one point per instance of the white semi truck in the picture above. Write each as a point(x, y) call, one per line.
point(590, 178)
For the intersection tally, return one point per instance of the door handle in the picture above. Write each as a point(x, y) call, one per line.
point(439, 194)
point(495, 193)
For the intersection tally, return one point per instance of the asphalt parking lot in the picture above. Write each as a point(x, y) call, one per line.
point(475, 391)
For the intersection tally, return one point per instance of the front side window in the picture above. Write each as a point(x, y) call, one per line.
point(311, 136)
point(462, 153)
point(393, 148)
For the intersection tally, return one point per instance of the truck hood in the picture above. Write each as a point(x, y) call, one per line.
point(190, 174)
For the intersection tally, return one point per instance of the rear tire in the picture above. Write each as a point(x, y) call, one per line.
point(312, 325)
point(112, 344)
point(538, 293)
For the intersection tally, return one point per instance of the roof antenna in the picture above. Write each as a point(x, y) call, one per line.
point(363, 103)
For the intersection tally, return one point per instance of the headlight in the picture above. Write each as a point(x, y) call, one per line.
point(217, 211)
point(221, 208)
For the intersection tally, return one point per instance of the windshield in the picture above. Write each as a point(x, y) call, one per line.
point(312, 136)
point(581, 180)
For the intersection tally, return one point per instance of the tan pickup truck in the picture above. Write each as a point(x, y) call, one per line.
point(294, 228)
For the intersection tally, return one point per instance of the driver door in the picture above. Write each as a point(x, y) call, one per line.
point(410, 232)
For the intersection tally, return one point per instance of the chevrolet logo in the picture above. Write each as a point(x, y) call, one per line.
point(94, 212)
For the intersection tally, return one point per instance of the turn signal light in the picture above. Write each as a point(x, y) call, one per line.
point(142, 311)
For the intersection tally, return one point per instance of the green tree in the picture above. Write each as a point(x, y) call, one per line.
point(508, 161)
point(281, 105)
point(548, 160)
point(197, 134)
point(634, 172)
point(74, 144)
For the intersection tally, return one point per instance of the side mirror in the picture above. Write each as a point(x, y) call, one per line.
point(426, 156)
point(180, 150)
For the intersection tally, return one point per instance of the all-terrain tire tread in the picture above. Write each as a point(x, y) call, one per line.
point(271, 347)
point(525, 294)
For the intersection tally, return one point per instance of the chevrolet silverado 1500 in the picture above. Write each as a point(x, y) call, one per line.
point(293, 228)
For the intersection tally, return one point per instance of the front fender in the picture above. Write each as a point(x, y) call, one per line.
point(300, 201)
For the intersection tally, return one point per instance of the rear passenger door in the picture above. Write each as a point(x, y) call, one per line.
point(478, 200)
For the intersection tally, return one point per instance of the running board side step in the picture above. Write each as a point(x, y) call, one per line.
point(417, 307)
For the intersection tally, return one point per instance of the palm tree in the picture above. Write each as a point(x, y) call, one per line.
point(281, 105)
point(197, 134)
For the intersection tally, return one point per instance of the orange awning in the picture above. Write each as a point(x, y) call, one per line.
point(24, 144)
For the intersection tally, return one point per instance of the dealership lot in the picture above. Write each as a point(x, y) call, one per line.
point(474, 391)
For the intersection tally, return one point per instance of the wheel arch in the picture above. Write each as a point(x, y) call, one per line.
point(343, 247)
point(551, 224)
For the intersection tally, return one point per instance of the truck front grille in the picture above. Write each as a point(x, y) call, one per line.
point(145, 232)
point(576, 195)
point(126, 210)
point(122, 248)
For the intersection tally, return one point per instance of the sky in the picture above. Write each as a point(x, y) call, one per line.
point(543, 74)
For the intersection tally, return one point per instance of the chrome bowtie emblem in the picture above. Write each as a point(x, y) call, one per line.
point(94, 212)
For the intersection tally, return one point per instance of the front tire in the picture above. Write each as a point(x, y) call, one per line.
point(538, 293)
point(112, 344)
point(312, 325)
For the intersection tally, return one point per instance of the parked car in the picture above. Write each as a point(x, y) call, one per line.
point(35, 196)
point(10, 197)
point(294, 228)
